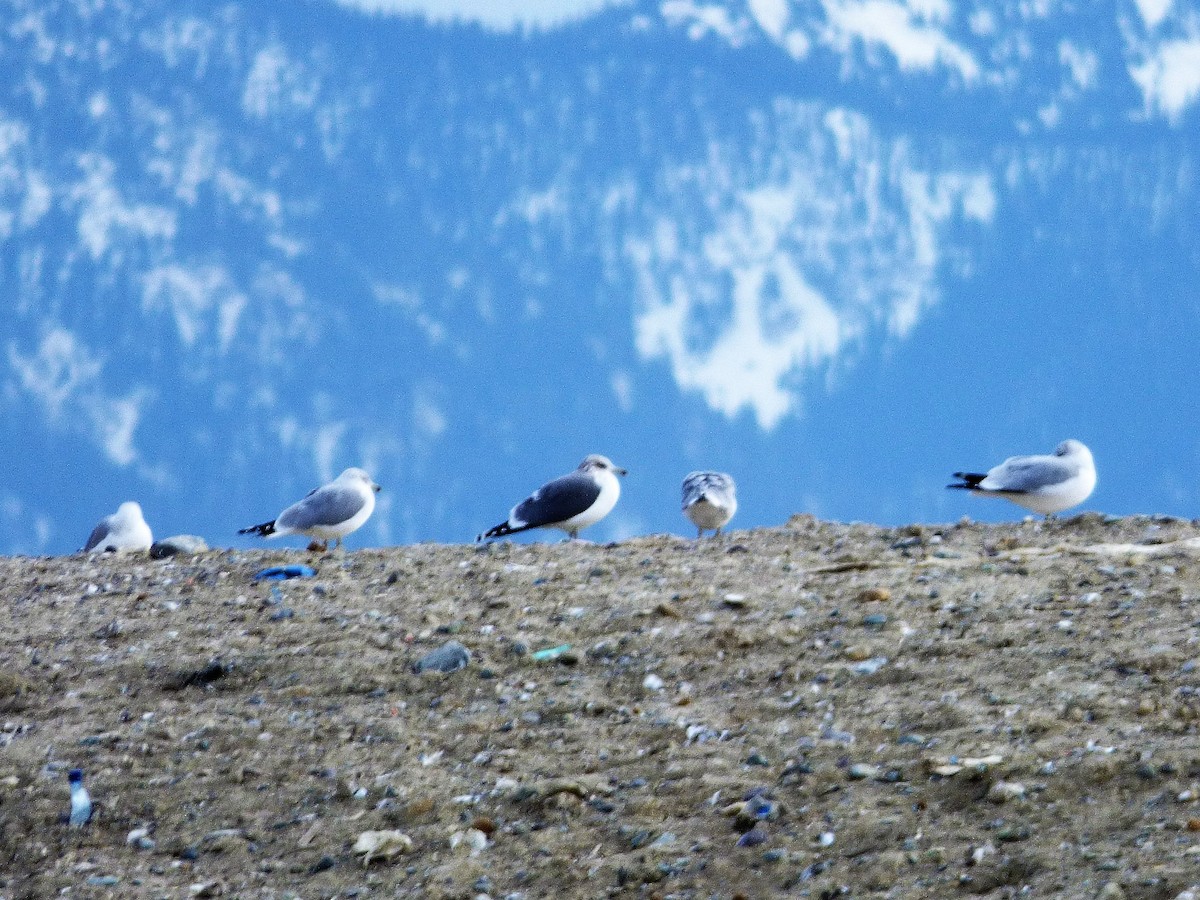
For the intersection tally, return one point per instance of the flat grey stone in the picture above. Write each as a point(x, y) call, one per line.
point(185, 544)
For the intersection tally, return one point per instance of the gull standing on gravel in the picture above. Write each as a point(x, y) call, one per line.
point(571, 503)
point(709, 500)
point(328, 513)
point(124, 531)
point(1044, 484)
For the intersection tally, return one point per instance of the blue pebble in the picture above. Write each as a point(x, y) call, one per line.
point(753, 837)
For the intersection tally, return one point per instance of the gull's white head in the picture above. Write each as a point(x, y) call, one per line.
point(594, 462)
point(1073, 449)
point(356, 475)
point(129, 511)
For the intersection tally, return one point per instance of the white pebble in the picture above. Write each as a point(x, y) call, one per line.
point(653, 683)
point(1003, 791)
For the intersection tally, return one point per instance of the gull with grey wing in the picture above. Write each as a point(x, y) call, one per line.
point(329, 513)
point(124, 531)
point(1044, 484)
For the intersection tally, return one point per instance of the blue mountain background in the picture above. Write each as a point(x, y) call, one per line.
point(836, 248)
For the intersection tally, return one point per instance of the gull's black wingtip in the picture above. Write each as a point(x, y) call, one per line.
point(265, 529)
point(969, 480)
point(496, 531)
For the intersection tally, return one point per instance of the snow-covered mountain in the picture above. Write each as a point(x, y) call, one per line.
point(839, 248)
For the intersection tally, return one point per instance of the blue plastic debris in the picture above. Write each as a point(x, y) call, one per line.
point(551, 652)
point(282, 573)
point(760, 808)
point(81, 803)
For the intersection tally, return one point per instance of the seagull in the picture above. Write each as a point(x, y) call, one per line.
point(1044, 484)
point(328, 513)
point(81, 803)
point(709, 500)
point(123, 531)
point(571, 503)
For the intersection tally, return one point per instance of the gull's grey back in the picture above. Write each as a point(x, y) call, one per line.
point(1031, 473)
point(328, 505)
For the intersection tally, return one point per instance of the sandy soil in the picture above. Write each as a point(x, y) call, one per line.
point(817, 710)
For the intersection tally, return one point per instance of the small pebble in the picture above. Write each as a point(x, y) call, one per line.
point(283, 573)
point(323, 864)
point(653, 683)
point(874, 595)
point(472, 839)
point(450, 657)
point(1003, 791)
point(139, 839)
point(863, 771)
point(180, 544)
point(869, 666)
point(754, 837)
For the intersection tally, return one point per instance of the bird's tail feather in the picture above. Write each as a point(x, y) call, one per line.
point(266, 529)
